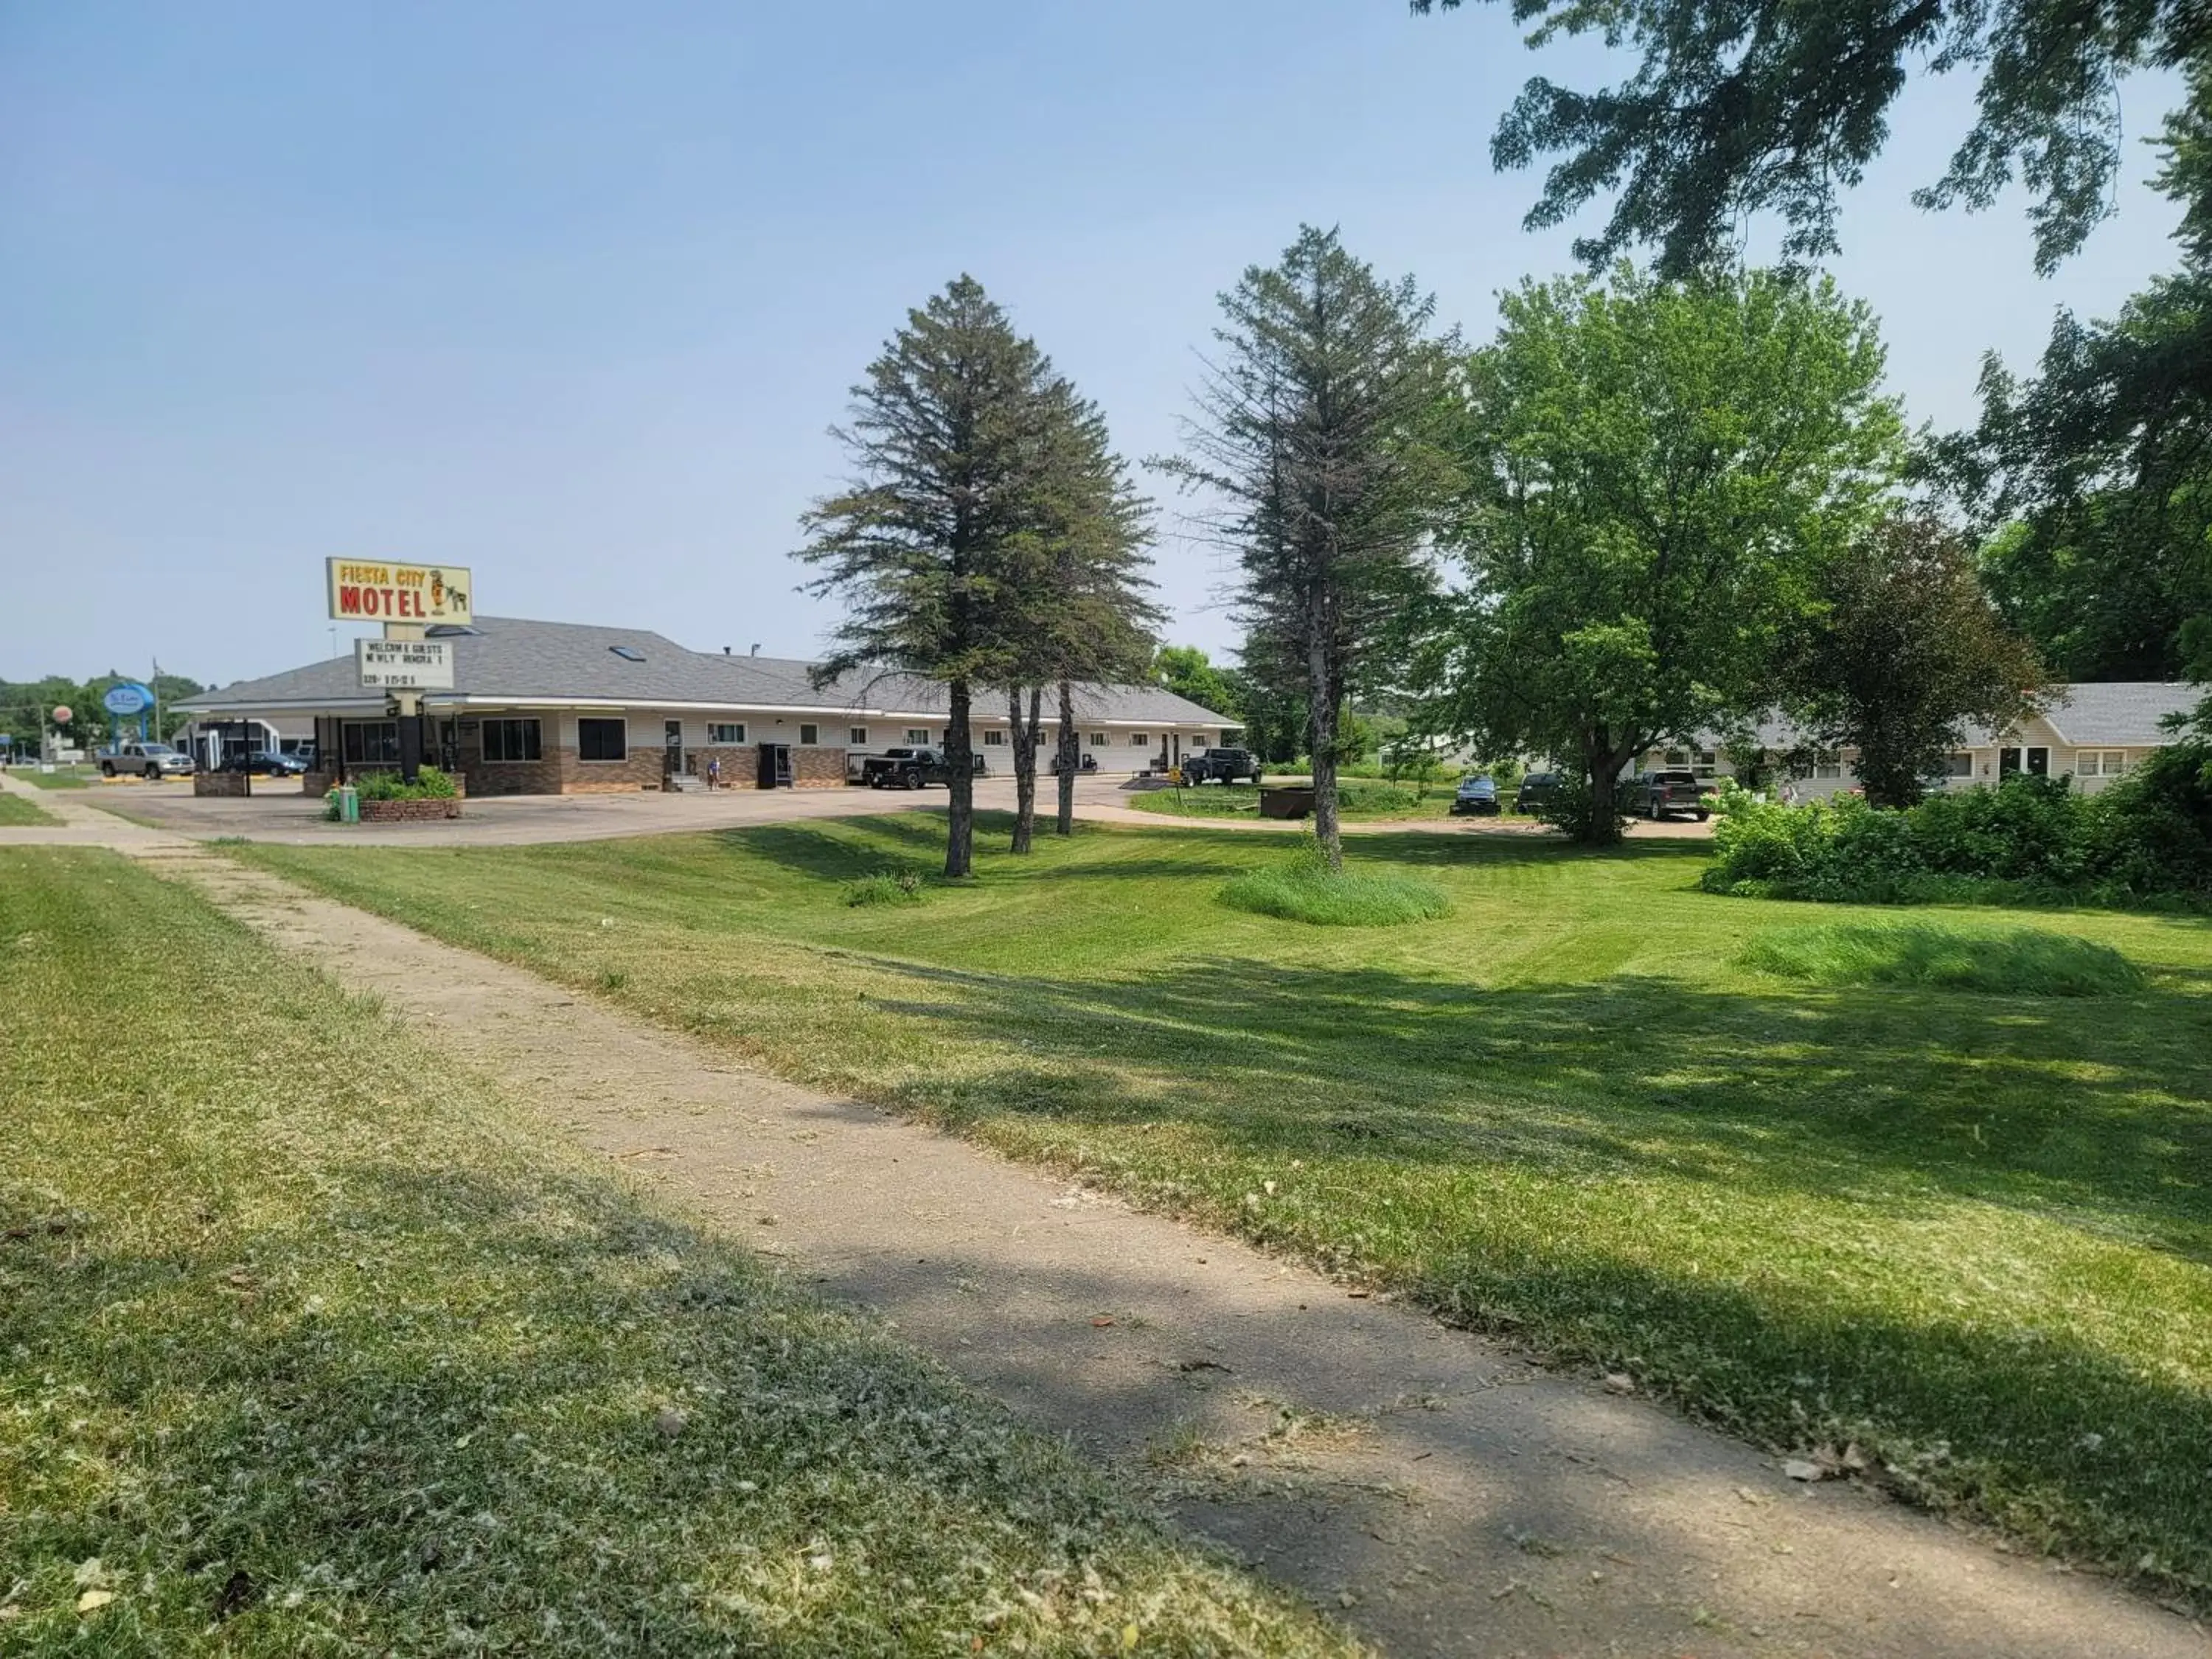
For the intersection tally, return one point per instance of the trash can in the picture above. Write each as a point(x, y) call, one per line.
point(349, 804)
point(1287, 801)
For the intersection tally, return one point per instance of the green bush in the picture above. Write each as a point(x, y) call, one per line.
point(2011, 961)
point(884, 887)
point(430, 784)
point(1307, 889)
point(2150, 836)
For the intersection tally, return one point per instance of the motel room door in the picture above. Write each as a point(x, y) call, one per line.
point(673, 740)
point(775, 766)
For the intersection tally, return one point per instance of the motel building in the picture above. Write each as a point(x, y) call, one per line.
point(2093, 734)
point(540, 707)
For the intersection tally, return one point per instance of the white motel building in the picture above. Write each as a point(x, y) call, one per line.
point(540, 707)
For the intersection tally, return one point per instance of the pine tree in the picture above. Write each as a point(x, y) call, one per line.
point(1311, 436)
point(928, 543)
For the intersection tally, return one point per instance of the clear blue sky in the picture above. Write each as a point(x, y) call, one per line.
point(568, 293)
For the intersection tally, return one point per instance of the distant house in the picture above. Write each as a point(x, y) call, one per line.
point(541, 708)
point(2092, 732)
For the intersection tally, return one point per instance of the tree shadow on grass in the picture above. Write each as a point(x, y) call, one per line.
point(1389, 1089)
point(2097, 1112)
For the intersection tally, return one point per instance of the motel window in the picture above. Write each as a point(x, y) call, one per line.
point(915, 735)
point(857, 736)
point(511, 740)
point(726, 730)
point(994, 739)
point(1828, 766)
point(2100, 762)
point(602, 740)
point(1706, 762)
point(1678, 758)
point(810, 734)
point(1959, 765)
point(371, 743)
point(1099, 739)
point(1140, 740)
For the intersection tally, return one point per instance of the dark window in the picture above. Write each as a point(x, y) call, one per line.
point(810, 733)
point(371, 743)
point(726, 731)
point(511, 740)
point(859, 735)
point(602, 740)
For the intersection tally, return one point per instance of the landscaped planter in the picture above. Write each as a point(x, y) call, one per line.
point(408, 812)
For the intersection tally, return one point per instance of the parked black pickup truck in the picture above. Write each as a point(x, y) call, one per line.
point(910, 769)
point(1663, 794)
point(1221, 766)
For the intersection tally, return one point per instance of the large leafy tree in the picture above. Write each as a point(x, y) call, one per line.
point(1903, 652)
point(1312, 438)
point(1190, 672)
point(2095, 473)
point(1656, 474)
point(1743, 107)
point(931, 541)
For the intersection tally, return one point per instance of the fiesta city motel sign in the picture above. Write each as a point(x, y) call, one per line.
point(364, 590)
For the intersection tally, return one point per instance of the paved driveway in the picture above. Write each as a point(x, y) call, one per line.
point(283, 814)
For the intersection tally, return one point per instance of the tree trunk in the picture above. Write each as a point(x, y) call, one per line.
point(1025, 759)
point(1601, 764)
point(959, 752)
point(1071, 756)
point(1321, 718)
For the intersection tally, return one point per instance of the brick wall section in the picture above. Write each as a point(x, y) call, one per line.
point(817, 768)
point(740, 763)
point(640, 771)
point(538, 777)
point(408, 812)
point(205, 782)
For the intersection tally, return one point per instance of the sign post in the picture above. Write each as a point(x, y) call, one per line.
point(407, 598)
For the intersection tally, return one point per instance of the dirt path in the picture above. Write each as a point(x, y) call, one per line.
point(1442, 1494)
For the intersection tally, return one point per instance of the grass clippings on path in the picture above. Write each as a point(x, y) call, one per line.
point(1969, 1233)
point(304, 1347)
point(17, 812)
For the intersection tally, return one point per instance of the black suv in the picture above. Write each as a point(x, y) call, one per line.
point(1538, 790)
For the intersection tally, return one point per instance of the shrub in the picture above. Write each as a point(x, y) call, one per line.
point(2013, 961)
point(1307, 889)
point(2029, 838)
point(430, 784)
point(885, 887)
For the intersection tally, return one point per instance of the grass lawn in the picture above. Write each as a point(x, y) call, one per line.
point(306, 1349)
point(17, 813)
point(62, 777)
point(1969, 1232)
point(1358, 799)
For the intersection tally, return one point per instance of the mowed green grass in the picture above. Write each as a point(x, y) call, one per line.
point(18, 813)
point(1969, 1232)
point(62, 777)
point(308, 1348)
point(1358, 799)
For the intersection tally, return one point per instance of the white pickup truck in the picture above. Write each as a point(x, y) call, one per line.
point(154, 761)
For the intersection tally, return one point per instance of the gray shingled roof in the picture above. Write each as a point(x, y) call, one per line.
point(2086, 714)
point(511, 658)
point(2122, 713)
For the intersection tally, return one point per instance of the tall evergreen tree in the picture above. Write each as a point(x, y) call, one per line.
point(1312, 435)
point(926, 542)
point(1080, 609)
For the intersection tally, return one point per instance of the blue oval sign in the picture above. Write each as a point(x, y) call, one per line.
point(128, 698)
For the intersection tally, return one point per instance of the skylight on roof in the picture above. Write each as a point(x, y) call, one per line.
point(451, 631)
point(627, 653)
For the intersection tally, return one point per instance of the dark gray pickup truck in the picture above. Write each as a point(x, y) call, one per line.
point(1664, 794)
point(1221, 766)
point(910, 769)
